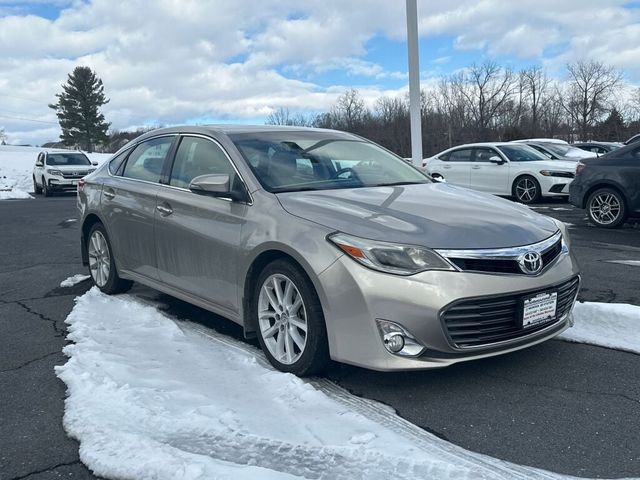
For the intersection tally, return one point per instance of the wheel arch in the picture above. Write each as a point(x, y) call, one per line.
point(605, 184)
point(89, 221)
point(266, 256)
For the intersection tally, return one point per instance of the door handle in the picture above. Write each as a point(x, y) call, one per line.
point(476, 167)
point(164, 209)
point(447, 167)
point(109, 194)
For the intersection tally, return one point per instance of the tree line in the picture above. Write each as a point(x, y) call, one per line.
point(488, 102)
point(485, 102)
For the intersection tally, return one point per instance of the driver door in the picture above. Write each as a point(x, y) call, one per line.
point(488, 176)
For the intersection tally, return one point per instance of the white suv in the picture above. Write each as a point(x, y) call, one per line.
point(509, 169)
point(60, 171)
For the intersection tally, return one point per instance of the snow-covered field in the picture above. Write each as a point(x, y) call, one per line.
point(150, 396)
point(16, 167)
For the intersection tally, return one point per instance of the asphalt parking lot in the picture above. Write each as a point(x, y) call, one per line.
point(569, 408)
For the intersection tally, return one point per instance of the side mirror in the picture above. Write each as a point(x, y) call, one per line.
point(39, 164)
point(439, 179)
point(95, 164)
point(216, 186)
point(496, 159)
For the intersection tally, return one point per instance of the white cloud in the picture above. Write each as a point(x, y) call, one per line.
point(173, 60)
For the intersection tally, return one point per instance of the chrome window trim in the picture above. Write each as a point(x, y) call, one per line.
point(133, 147)
point(509, 253)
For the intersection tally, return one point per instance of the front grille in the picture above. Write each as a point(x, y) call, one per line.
point(74, 175)
point(485, 321)
point(502, 265)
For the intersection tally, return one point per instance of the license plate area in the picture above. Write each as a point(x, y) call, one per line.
point(539, 309)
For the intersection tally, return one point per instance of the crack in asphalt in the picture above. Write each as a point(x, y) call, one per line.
point(48, 469)
point(25, 364)
point(59, 332)
point(564, 389)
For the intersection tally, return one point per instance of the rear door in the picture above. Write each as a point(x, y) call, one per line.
point(198, 236)
point(129, 205)
point(488, 176)
point(456, 166)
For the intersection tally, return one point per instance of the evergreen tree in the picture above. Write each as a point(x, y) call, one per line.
point(78, 110)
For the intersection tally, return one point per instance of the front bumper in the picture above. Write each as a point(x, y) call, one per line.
point(354, 297)
point(555, 186)
point(62, 184)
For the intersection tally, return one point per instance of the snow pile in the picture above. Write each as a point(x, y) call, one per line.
point(154, 398)
point(71, 281)
point(16, 169)
point(612, 325)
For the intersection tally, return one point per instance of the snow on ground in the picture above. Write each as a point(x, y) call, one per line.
point(16, 168)
point(153, 397)
point(71, 281)
point(613, 325)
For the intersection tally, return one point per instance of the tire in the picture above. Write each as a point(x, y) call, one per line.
point(45, 189)
point(36, 188)
point(104, 275)
point(606, 208)
point(526, 189)
point(299, 352)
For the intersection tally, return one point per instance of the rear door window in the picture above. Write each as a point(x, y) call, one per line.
point(147, 160)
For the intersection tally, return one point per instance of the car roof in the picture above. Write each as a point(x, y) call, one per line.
point(239, 129)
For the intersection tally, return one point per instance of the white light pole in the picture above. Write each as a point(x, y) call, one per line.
point(414, 82)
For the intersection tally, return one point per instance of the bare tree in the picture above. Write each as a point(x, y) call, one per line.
point(282, 116)
point(486, 88)
point(3, 137)
point(535, 86)
point(586, 97)
point(349, 109)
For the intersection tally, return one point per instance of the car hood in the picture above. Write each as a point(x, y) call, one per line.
point(432, 215)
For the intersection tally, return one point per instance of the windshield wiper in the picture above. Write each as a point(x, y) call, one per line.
point(395, 184)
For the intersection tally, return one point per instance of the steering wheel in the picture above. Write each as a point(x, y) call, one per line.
point(342, 171)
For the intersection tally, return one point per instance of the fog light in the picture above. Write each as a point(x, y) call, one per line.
point(397, 340)
point(395, 343)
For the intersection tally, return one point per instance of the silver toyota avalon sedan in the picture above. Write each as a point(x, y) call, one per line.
point(326, 246)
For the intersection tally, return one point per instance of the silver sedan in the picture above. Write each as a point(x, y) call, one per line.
point(326, 246)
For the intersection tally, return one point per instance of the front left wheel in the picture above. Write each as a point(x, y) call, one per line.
point(290, 321)
point(36, 188)
point(102, 266)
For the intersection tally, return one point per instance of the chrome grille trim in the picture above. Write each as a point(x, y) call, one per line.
point(505, 256)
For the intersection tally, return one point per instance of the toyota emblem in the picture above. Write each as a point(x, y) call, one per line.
point(530, 263)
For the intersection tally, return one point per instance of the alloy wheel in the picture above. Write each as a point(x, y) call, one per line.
point(282, 319)
point(605, 208)
point(526, 190)
point(99, 258)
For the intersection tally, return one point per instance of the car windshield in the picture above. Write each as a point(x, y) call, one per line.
point(297, 161)
point(522, 153)
point(62, 159)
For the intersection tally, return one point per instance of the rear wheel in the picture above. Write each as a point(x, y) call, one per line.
point(36, 188)
point(290, 321)
point(102, 266)
point(526, 189)
point(606, 208)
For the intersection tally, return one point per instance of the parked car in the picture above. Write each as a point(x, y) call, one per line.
point(508, 169)
point(558, 151)
point(599, 148)
point(608, 187)
point(635, 138)
point(60, 171)
point(326, 246)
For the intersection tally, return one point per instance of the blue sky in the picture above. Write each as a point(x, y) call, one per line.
point(173, 61)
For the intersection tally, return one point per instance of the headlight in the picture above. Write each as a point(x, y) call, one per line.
point(552, 173)
point(55, 172)
point(388, 257)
